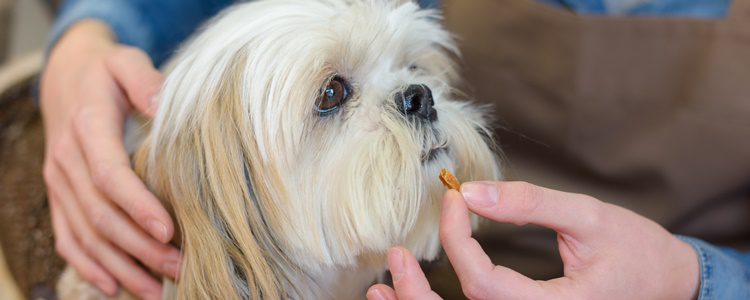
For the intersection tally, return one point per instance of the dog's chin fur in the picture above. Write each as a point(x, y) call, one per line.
point(274, 200)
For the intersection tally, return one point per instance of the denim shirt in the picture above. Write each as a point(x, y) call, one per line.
point(158, 26)
point(155, 26)
point(711, 9)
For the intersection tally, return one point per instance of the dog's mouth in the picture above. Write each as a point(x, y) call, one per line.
point(434, 144)
point(429, 154)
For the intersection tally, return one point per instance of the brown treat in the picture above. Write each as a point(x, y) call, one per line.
point(448, 180)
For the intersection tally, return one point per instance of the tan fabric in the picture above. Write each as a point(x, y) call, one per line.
point(8, 288)
point(6, 7)
point(649, 113)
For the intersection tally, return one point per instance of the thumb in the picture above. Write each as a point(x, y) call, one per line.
point(522, 203)
point(136, 75)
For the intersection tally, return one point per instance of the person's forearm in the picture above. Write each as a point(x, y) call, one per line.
point(155, 26)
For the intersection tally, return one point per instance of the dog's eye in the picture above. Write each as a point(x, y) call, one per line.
point(334, 95)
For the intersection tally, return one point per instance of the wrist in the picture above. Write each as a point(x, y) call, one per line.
point(82, 45)
point(83, 37)
point(689, 271)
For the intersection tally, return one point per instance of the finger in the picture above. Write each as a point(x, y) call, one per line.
point(479, 277)
point(381, 292)
point(137, 77)
point(101, 140)
point(522, 203)
point(408, 279)
point(112, 224)
point(67, 247)
point(134, 278)
point(122, 267)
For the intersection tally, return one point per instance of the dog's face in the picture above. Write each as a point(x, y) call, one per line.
point(312, 133)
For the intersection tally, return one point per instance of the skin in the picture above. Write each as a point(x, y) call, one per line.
point(608, 252)
point(105, 220)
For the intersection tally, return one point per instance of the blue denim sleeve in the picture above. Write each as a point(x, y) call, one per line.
point(725, 273)
point(708, 9)
point(156, 26)
point(429, 3)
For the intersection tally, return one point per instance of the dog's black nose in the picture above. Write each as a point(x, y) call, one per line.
point(417, 100)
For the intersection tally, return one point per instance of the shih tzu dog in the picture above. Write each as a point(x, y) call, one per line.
point(297, 140)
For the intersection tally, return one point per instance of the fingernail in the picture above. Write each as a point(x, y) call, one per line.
point(480, 194)
point(375, 294)
point(396, 263)
point(157, 230)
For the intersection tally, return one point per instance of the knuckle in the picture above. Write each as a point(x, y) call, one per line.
point(474, 289)
point(529, 197)
point(595, 215)
point(100, 220)
point(90, 243)
point(134, 210)
point(526, 190)
point(101, 174)
point(105, 177)
point(82, 121)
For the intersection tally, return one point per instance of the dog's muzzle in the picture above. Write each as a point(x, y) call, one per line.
point(416, 101)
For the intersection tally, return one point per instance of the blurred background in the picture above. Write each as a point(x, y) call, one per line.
point(24, 29)
point(24, 26)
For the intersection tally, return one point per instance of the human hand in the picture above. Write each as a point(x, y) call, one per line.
point(102, 213)
point(608, 252)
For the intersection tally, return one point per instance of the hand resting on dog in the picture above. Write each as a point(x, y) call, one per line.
point(103, 216)
point(608, 252)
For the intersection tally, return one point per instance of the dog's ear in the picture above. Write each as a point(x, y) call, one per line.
point(201, 167)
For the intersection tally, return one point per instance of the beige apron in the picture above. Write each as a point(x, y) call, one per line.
point(649, 113)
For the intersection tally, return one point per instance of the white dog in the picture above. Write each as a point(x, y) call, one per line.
point(297, 140)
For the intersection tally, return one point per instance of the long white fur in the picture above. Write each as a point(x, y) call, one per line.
point(237, 141)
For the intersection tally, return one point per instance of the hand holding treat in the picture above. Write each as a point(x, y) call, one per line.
point(608, 252)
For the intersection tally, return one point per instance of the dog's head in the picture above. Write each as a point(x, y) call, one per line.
point(310, 134)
